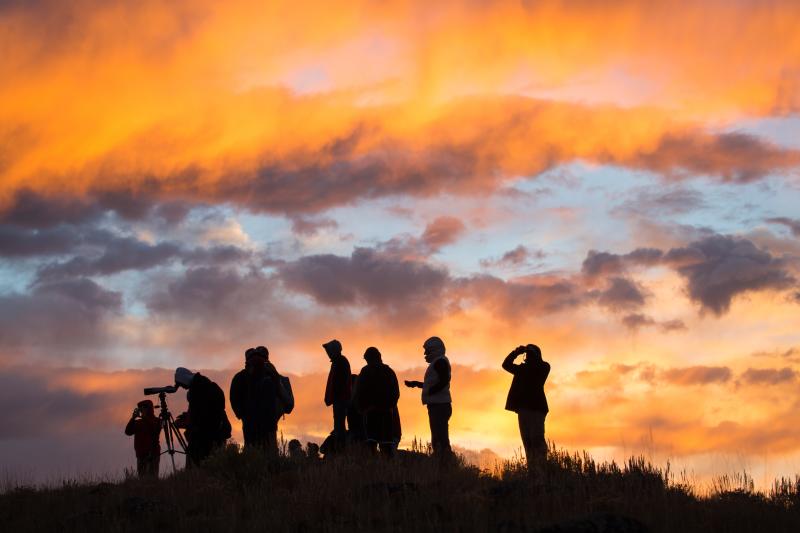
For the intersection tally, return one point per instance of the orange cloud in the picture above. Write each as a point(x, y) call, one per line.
point(203, 102)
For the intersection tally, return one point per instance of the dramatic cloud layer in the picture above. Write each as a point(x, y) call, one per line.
point(616, 182)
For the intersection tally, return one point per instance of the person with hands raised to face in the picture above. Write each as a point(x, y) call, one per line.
point(526, 398)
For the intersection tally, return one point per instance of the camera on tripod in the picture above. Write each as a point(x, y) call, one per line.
point(169, 389)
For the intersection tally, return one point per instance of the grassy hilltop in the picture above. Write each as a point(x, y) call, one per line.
point(413, 492)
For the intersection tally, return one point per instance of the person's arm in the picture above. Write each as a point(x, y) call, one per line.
point(442, 370)
point(394, 388)
point(130, 428)
point(236, 396)
point(342, 377)
point(508, 363)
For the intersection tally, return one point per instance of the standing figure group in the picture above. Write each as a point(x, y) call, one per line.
point(364, 406)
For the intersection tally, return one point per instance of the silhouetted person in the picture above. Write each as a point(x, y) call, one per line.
point(206, 423)
point(254, 397)
point(145, 427)
point(526, 398)
point(436, 394)
point(312, 451)
point(338, 390)
point(376, 399)
point(296, 450)
point(355, 419)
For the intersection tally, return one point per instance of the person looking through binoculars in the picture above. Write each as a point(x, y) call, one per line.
point(145, 428)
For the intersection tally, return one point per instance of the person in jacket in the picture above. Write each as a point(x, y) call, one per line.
point(207, 425)
point(436, 394)
point(338, 390)
point(145, 427)
point(526, 398)
point(254, 396)
point(376, 399)
point(356, 432)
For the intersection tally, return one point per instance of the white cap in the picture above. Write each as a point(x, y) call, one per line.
point(183, 376)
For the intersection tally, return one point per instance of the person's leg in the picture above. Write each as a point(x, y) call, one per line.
point(141, 467)
point(537, 435)
point(439, 417)
point(447, 412)
point(271, 443)
point(339, 417)
point(524, 418)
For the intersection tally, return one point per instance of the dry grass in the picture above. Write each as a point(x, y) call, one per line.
point(413, 492)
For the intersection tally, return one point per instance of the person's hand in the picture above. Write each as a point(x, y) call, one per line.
point(520, 350)
point(135, 412)
point(413, 384)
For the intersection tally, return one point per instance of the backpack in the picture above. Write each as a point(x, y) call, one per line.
point(285, 396)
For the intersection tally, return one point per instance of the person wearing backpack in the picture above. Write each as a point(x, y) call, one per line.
point(284, 386)
point(376, 399)
point(254, 400)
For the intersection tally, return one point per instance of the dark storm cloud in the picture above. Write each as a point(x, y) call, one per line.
point(517, 257)
point(649, 203)
point(119, 255)
point(768, 376)
point(697, 375)
point(718, 268)
point(218, 293)
point(606, 263)
point(31, 209)
point(735, 157)
point(61, 315)
point(792, 223)
point(17, 241)
point(635, 321)
point(31, 406)
point(366, 277)
point(621, 294)
point(510, 298)
point(310, 226)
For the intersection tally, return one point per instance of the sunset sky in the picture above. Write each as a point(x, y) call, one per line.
point(617, 182)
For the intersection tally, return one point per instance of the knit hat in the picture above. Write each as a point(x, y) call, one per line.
point(183, 376)
point(262, 350)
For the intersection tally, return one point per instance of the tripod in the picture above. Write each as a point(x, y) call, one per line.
point(171, 433)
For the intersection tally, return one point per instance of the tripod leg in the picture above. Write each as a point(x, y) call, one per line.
point(168, 441)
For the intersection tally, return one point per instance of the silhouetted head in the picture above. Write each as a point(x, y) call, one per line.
point(296, 448)
point(434, 348)
point(372, 355)
point(254, 360)
point(146, 406)
point(312, 449)
point(183, 377)
point(533, 353)
point(263, 351)
point(333, 348)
